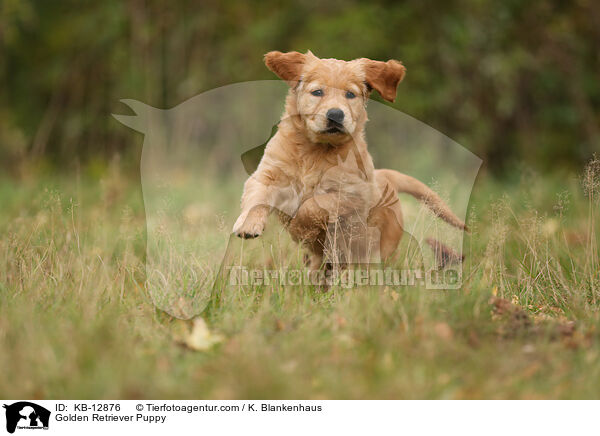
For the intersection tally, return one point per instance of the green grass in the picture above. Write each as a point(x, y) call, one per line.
point(76, 319)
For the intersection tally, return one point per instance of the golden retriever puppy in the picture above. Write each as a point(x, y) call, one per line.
point(316, 170)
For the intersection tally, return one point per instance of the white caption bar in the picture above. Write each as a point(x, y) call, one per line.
point(292, 417)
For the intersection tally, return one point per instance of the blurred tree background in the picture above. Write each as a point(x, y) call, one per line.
point(513, 81)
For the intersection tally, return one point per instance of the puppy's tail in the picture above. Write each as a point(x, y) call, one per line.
point(409, 185)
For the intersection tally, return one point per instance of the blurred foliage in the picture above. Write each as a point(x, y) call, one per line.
point(511, 81)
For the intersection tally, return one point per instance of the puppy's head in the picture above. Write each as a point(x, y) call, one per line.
point(330, 95)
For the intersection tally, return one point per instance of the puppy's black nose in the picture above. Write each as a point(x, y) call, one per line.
point(336, 115)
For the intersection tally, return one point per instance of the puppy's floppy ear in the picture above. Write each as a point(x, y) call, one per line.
point(288, 66)
point(384, 76)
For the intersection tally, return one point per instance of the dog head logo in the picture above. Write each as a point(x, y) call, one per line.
point(26, 415)
point(192, 177)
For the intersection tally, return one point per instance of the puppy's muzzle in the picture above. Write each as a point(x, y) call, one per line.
point(335, 121)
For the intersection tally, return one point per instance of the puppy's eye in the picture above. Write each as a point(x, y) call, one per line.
point(317, 93)
point(350, 94)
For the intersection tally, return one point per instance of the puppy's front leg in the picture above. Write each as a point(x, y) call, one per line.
point(260, 196)
point(255, 210)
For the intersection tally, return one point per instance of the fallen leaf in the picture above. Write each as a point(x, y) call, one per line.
point(201, 338)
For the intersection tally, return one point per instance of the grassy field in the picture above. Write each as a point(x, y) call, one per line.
point(76, 319)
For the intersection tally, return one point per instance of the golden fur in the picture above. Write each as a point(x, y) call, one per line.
point(318, 173)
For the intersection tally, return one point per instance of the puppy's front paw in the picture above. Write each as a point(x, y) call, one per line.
point(249, 226)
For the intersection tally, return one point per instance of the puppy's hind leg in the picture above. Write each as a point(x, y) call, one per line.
point(386, 216)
